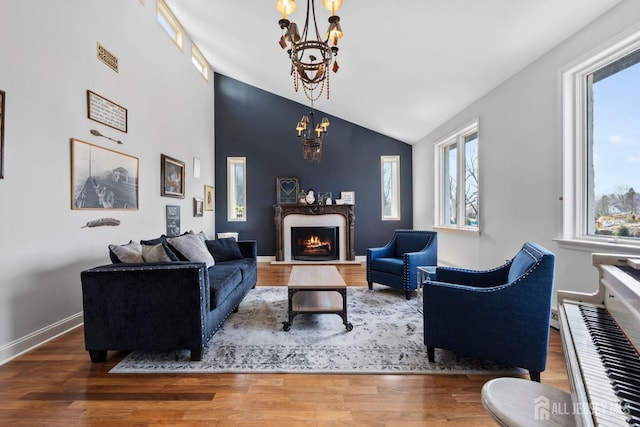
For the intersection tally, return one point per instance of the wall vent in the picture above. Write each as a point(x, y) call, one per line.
point(107, 57)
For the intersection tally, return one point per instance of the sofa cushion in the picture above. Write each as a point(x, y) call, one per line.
point(226, 249)
point(520, 264)
point(223, 279)
point(162, 239)
point(191, 247)
point(130, 253)
point(388, 265)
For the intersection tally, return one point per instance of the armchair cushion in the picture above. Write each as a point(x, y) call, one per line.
point(388, 265)
point(409, 242)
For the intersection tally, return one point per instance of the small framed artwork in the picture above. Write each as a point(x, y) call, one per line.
point(208, 198)
point(198, 206)
point(2, 98)
point(173, 220)
point(102, 178)
point(323, 196)
point(348, 197)
point(101, 110)
point(287, 189)
point(171, 177)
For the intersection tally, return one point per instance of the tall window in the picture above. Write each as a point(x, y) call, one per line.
point(390, 187)
point(236, 188)
point(457, 204)
point(602, 146)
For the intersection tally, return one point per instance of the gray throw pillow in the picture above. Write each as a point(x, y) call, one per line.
point(129, 253)
point(192, 248)
point(155, 253)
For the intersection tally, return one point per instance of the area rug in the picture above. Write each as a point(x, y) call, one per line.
point(387, 338)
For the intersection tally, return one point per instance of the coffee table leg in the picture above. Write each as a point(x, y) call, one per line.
point(287, 325)
point(343, 314)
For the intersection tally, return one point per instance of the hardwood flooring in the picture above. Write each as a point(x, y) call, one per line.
point(57, 385)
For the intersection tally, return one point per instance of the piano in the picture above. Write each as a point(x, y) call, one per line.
point(601, 337)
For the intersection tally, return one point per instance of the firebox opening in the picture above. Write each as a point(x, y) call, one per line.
point(314, 243)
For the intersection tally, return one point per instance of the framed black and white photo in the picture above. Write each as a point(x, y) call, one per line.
point(287, 188)
point(171, 177)
point(198, 206)
point(102, 178)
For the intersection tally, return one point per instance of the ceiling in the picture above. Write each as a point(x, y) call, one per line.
point(405, 66)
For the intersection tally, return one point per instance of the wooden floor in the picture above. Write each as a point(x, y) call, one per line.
point(57, 385)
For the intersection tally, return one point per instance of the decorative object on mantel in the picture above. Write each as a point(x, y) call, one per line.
point(306, 48)
point(95, 132)
point(2, 102)
point(312, 143)
point(310, 198)
point(348, 197)
point(287, 188)
point(101, 222)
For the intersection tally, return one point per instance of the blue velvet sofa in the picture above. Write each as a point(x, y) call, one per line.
point(173, 304)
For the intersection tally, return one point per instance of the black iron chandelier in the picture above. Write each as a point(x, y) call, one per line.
point(311, 135)
point(312, 56)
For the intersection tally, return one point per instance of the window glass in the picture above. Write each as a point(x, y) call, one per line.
point(236, 189)
point(390, 183)
point(170, 24)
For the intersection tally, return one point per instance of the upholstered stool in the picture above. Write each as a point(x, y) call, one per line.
point(520, 402)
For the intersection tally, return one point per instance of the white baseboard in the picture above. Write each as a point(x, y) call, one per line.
point(272, 260)
point(35, 339)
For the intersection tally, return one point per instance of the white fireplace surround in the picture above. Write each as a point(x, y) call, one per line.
point(327, 220)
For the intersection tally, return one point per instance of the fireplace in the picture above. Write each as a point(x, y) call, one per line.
point(315, 243)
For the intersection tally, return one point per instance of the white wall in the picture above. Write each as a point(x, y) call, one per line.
point(48, 61)
point(520, 162)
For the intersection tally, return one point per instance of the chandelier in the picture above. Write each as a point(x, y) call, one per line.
point(311, 135)
point(312, 56)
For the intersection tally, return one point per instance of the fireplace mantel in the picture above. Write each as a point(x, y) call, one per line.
point(348, 211)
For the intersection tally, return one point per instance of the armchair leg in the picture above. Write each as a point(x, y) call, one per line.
point(534, 375)
point(431, 354)
point(370, 285)
point(98, 355)
point(408, 294)
point(196, 355)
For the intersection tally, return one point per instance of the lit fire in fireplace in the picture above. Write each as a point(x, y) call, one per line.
point(314, 245)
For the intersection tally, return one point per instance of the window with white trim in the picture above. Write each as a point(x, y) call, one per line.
point(390, 187)
point(170, 24)
point(198, 61)
point(601, 98)
point(456, 180)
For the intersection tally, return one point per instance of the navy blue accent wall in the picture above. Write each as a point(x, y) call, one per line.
point(260, 126)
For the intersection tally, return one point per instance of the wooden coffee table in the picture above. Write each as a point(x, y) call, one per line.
point(317, 290)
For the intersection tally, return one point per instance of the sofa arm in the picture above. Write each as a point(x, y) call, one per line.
point(478, 278)
point(248, 248)
point(156, 306)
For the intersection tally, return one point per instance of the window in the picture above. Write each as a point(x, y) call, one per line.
point(236, 189)
point(198, 61)
point(390, 187)
point(170, 24)
point(457, 180)
point(602, 146)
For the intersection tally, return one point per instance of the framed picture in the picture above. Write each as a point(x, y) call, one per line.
point(102, 178)
point(171, 177)
point(2, 102)
point(287, 189)
point(173, 220)
point(348, 197)
point(198, 206)
point(323, 196)
point(208, 198)
point(101, 110)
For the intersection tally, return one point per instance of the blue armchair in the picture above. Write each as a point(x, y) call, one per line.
point(396, 263)
point(501, 314)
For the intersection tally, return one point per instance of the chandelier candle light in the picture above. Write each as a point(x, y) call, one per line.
point(311, 57)
point(312, 143)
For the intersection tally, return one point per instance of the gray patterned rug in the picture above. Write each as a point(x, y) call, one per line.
point(387, 338)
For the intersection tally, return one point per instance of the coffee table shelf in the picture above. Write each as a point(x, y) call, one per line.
point(316, 290)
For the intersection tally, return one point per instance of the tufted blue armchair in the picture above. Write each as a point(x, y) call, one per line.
point(501, 314)
point(396, 263)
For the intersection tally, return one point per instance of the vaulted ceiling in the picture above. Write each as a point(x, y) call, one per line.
point(405, 66)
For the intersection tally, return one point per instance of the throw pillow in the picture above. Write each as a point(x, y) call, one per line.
point(155, 253)
point(226, 249)
point(192, 248)
point(129, 253)
point(162, 239)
